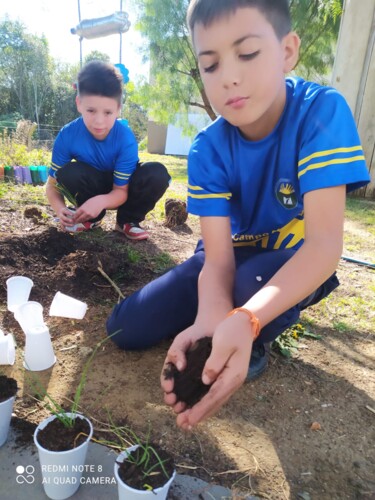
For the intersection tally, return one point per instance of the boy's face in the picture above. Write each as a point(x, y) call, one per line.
point(243, 65)
point(99, 114)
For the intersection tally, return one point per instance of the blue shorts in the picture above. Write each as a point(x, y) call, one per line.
point(166, 306)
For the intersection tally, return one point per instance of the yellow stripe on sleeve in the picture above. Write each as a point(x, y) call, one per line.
point(329, 152)
point(336, 161)
point(227, 196)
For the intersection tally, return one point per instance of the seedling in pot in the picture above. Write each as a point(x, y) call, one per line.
point(67, 194)
point(145, 466)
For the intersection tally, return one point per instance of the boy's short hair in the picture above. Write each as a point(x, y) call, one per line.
point(276, 12)
point(101, 79)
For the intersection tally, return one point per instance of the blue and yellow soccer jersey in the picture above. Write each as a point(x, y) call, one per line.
point(260, 184)
point(117, 153)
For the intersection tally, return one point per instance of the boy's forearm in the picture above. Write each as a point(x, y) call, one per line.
point(114, 199)
point(56, 200)
point(215, 291)
point(312, 264)
point(216, 280)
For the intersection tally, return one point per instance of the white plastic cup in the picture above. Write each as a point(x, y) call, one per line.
point(18, 291)
point(61, 470)
point(7, 349)
point(125, 492)
point(67, 307)
point(72, 229)
point(39, 353)
point(6, 409)
point(29, 315)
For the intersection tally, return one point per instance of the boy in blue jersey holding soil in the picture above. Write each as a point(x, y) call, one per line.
point(268, 179)
point(95, 158)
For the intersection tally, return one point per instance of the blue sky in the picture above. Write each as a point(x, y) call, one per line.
point(55, 18)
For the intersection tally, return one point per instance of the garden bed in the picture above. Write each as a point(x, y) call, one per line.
point(263, 441)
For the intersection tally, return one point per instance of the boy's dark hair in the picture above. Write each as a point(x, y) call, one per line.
point(100, 78)
point(205, 12)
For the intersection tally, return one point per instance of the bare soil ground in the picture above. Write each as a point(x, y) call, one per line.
point(263, 441)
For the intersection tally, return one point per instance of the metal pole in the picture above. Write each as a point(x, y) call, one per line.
point(361, 262)
point(120, 61)
point(80, 38)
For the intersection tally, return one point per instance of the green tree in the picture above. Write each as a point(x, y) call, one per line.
point(25, 70)
point(96, 55)
point(61, 106)
point(318, 24)
point(134, 114)
point(175, 85)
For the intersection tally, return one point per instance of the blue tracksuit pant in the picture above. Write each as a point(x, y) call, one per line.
point(166, 306)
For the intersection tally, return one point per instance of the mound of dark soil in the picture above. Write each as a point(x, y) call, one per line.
point(58, 261)
point(8, 387)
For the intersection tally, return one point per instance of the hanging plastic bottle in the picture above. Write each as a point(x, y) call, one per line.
point(102, 26)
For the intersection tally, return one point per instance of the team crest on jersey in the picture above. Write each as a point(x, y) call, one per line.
point(286, 194)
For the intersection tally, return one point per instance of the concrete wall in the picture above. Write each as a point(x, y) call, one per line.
point(156, 138)
point(354, 74)
point(170, 139)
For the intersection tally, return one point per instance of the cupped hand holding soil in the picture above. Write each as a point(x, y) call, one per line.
point(188, 386)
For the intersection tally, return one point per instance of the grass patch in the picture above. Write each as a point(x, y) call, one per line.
point(134, 256)
point(176, 165)
point(362, 212)
point(23, 194)
point(161, 262)
point(341, 327)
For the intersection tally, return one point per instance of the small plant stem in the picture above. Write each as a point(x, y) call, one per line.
point(103, 273)
point(77, 436)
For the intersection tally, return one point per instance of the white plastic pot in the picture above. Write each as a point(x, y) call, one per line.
point(18, 291)
point(29, 315)
point(7, 349)
point(6, 409)
point(67, 307)
point(39, 354)
point(125, 492)
point(62, 470)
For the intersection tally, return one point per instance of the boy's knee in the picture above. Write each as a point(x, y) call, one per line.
point(65, 173)
point(157, 175)
point(71, 172)
point(115, 330)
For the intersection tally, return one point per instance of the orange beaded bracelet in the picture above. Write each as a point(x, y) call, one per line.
point(253, 319)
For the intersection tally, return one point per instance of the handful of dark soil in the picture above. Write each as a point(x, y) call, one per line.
point(8, 387)
point(188, 385)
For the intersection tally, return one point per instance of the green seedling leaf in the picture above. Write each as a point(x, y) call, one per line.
point(52, 405)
